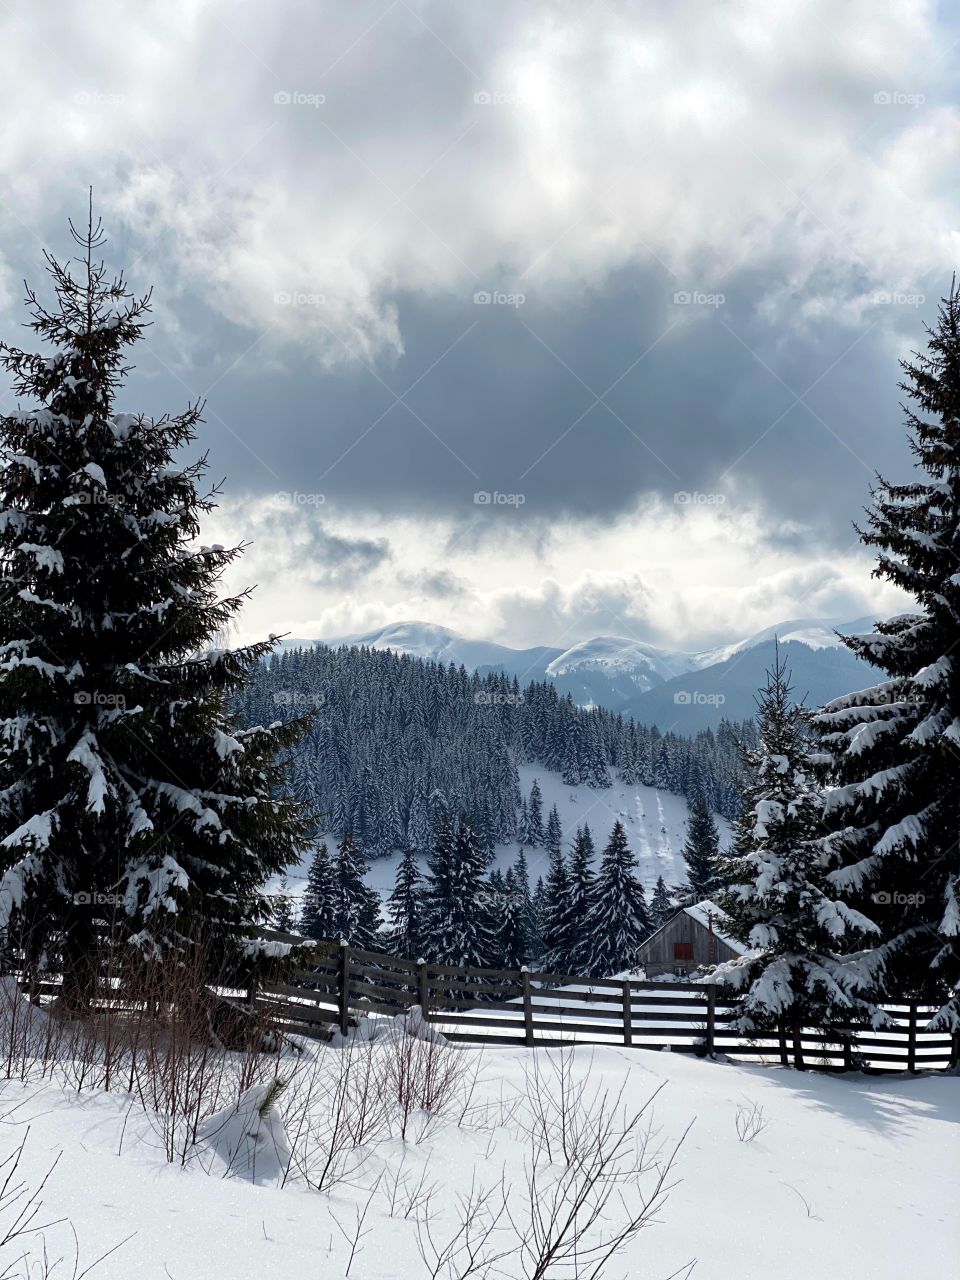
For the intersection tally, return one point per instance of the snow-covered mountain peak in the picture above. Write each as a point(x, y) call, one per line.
point(420, 639)
point(618, 656)
point(815, 633)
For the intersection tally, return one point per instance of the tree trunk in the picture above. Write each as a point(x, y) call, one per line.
point(79, 960)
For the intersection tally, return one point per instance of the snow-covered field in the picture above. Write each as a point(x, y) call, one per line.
point(655, 822)
point(852, 1179)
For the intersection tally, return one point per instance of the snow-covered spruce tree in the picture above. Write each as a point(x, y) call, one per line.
point(523, 822)
point(662, 906)
point(581, 899)
point(617, 921)
point(529, 916)
point(357, 918)
point(535, 832)
point(459, 930)
point(554, 836)
point(559, 927)
point(895, 816)
point(538, 901)
point(283, 918)
point(780, 901)
point(127, 797)
point(511, 924)
point(701, 856)
point(318, 917)
point(405, 909)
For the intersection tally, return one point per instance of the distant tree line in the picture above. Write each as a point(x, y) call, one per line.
point(398, 744)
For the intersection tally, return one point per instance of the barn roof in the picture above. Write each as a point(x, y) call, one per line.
point(702, 912)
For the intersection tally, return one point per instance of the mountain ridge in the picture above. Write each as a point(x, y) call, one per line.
point(686, 690)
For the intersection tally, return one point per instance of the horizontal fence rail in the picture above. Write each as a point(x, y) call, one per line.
point(510, 1007)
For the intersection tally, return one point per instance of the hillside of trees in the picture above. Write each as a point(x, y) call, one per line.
point(397, 743)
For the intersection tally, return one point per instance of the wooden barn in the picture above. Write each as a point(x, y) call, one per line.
point(693, 939)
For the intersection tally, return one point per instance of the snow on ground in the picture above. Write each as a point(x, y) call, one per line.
point(655, 822)
point(853, 1178)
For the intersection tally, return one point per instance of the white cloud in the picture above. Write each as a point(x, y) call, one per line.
point(684, 576)
point(701, 136)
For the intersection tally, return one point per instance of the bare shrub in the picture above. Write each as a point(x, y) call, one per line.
point(554, 1102)
point(479, 1241)
point(406, 1195)
point(30, 1040)
point(332, 1109)
point(589, 1154)
point(595, 1178)
point(154, 1029)
point(355, 1236)
point(428, 1077)
point(179, 1067)
point(751, 1120)
point(368, 1111)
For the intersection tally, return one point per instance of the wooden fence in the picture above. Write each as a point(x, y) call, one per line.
point(498, 1007)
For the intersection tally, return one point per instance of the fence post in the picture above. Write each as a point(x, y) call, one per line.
point(423, 987)
point(782, 1038)
point(912, 1038)
point(711, 1018)
point(527, 1006)
point(344, 986)
point(627, 1014)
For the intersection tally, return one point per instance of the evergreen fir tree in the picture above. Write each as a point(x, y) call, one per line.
point(122, 776)
point(418, 823)
point(662, 906)
point(701, 855)
point(581, 899)
point(318, 917)
point(559, 926)
point(357, 918)
point(596, 774)
point(511, 931)
point(283, 917)
point(535, 832)
point(895, 816)
point(554, 836)
point(617, 921)
point(460, 930)
point(781, 902)
point(539, 900)
point(529, 920)
point(570, 763)
point(405, 909)
point(523, 822)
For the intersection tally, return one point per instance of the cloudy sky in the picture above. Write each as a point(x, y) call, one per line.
point(536, 319)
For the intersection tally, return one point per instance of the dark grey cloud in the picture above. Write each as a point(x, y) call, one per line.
point(441, 584)
point(329, 558)
point(718, 406)
point(318, 191)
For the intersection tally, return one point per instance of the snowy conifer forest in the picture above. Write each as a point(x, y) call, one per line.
point(479, 630)
point(457, 740)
